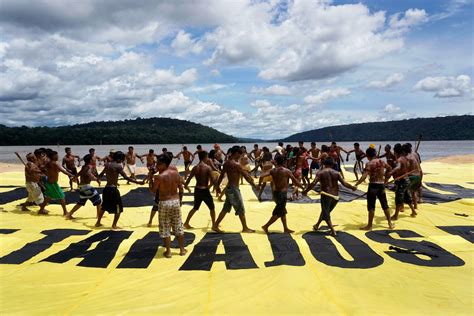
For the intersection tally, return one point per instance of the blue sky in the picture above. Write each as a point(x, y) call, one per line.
point(263, 69)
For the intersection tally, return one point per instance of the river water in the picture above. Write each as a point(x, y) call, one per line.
point(428, 149)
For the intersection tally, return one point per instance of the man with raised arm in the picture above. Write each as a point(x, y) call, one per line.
point(131, 161)
point(188, 160)
point(203, 174)
point(168, 184)
point(280, 178)
point(328, 178)
point(376, 169)
point(112, 201)
point(233, 170)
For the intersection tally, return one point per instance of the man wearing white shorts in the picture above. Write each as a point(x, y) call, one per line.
point(32, 177)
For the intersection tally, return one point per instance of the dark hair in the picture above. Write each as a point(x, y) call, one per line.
point(118, 156)
point(164, 149)
point(236, 150)
point(212, 154)
point(398, 149)
point(279, 159)
point(255, 145)
point(202, 155)
point(67, 148)
point(313, 144)
point(333, 143)
point(280, 144)
point(328, 161)
point(388, 146)
point(87, 158)
point(265, 149)
point(91, 150)
point(324, 148)
point(38, 152)
point(301, 142)
point(371, 152)
point(356, 145)
point(164, 159)
point(406, 148)
point(288, 147)
point(185, 148)
point(198, 147)
point(151, 151)
point(130, 147)
point(50, 153)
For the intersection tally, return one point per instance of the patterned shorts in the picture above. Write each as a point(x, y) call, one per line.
point(34, 193)
point(169, 216)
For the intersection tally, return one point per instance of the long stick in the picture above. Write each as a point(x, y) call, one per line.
point(378, 152)
point(418, 143)
point(21, 159)
point(391, 181)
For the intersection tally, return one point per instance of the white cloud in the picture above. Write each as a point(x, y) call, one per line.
point(210, 88)
point(393, 112)
point(388, 82)
point(412, 17)
point(326, 95)
point(391, 108)
point(183, 44)
point(445, 86)
point(272, 90)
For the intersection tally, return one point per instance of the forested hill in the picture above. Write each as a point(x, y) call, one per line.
point(137, 131)
point(437, 128)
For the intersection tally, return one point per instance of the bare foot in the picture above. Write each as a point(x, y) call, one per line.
point(315, 227)
point(216, 229)
point(167, 254)
point(183, 252)
point(24, 209)
point(98, 225)
point(413, 214)
point(394, 218)
point(391, 225)
point(333, 234)
point(289, 231)
point(69, 216)
point(43, 212)
point(187, 226)
point(248, 230)
point(265, 229)
point(368, 227)
point(148, 225)
point(116, 227)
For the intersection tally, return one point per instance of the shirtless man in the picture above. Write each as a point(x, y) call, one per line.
point(400, 174)
point(52, 190)
point(255, 156)
point(389, 156)
point(329, 178)
point(150, 160)
point(188, 160)
point(198, 150)
point(376, 169)
point(112, 201)
point(313, 155)
point(359, 164)
point(244, 162)
point(219, 156)
point(86, 190)
point(69, 163)
point(335, 153)
point(416, 173)
point(280, 178)
point(267, 165)
point(168, 184)
point(203, 174)
point(233, 170)
point(131, 162)
point(299, 160)
point(32, 177)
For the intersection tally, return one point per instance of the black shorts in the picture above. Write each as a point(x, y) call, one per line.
point(305, 172)
point(203, 195)
point(72, 171)
point(327, 205)
point(186, 164)
point(280, 200)
point(112, 201)
point(402, 195)
point(314, 164)
point(376, 191)
point(337, 166)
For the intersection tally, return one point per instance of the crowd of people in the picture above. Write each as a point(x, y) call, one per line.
point(287, 169)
